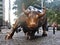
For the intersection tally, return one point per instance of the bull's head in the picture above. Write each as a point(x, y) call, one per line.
point(33, 17)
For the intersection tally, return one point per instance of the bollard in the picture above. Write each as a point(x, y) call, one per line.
point(0, 29)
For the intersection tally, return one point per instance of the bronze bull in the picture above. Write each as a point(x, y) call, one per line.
point(30, 22)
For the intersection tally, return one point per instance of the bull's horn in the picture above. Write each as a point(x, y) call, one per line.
point(42, 13)
point(24, 10)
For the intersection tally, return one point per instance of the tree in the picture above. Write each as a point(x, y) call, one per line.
point(19, 5)
point(53, 8)
point(50, 16)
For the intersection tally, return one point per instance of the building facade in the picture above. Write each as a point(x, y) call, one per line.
point(2, 12)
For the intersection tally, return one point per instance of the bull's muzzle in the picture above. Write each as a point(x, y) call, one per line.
point(32, 25)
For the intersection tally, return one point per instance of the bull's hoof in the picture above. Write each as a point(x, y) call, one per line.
point(29, 38)
point(44, 35)
point(8, 36)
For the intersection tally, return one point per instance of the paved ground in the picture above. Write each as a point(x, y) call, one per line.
point(20, 39)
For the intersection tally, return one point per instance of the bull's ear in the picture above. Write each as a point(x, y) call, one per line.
point(24, 10)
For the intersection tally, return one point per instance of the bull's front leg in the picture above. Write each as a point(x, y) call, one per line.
point(44, 31)
point(44, 26)
point(10, 34)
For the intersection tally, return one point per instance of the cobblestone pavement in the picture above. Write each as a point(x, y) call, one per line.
point(20, 39)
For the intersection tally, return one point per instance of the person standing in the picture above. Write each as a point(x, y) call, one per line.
point(54, 25)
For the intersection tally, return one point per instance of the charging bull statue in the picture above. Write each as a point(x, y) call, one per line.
point(30, 21)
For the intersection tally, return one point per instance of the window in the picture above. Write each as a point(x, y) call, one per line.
point(1, 12)
point(0, 4)
point(1, 0)
point(1, 9)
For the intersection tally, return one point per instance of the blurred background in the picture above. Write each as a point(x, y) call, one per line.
point(10, 10)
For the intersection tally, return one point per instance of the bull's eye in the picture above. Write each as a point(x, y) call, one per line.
point(36, 16)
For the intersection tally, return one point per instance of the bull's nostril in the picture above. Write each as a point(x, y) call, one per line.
point(32, 23)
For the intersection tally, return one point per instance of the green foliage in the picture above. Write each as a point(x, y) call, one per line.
point(50, 15)
point(53, 8)
point(26, 2)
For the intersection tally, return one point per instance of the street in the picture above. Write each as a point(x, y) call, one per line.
point(20, 39)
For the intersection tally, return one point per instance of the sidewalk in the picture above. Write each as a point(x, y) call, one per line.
point(20, 39)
